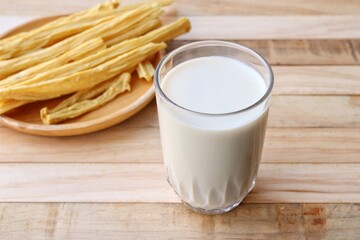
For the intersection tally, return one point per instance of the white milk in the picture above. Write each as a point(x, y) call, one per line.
point(212, 161)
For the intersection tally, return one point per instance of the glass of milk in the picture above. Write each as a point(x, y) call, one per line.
point(213, 99)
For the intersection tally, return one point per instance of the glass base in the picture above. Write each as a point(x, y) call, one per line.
point(213, 211)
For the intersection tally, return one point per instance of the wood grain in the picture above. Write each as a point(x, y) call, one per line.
point(174, 221)
point(262, 27)
point(315, 111)
point(300, 52)
point(188, 7)
point(312, 145)
point(315, 80)
point(121, 144)
point(276, 183)
point(272, 27)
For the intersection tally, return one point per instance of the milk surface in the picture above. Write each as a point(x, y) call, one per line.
point(214, 85)
point(212, 161)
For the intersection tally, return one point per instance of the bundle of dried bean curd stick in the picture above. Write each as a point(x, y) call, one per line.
point(90, 55)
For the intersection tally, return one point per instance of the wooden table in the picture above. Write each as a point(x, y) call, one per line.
point(110, 184)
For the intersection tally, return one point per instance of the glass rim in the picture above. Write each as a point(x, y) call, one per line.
point(214, 43)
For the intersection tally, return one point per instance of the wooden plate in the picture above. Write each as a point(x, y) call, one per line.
point(26, 119)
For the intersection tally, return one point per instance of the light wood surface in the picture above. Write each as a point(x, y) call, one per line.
point(310, 172)
point(173, 221)
point(138, 182)
point(272, 27)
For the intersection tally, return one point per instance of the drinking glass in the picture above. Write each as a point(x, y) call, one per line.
point(193, 143)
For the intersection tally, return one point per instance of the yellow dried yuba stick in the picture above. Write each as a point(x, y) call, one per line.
point(56, 30)
point(10, 104)
point(60, 22)
point(145, 70)
point(138, 30)
point(161, 34)
point(65, 32)
point(81, 51)
point(100, 46)
point(170, 31)
point(153, 13)
point(121, 23)
point(118, 86)
point(157, 3)
point(83, 95)
point(108, 5)
point(81, 80)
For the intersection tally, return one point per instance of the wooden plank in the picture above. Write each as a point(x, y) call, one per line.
point(142, 145)
point(188, 7)
point(272, 27)
point(315, 111)
point(174, 221)
point(315, 80)
point(312, 145)
point(263, 27)
point(285, 183)
point(300, 52)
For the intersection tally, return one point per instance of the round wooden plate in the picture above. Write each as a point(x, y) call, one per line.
point(26, 119)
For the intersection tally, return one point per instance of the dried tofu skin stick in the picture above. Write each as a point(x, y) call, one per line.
point(156, 3)
point(118, 86)
point(145, 70)
point(68, 31)
point(81, 51)
point(86, 94)
point(138, 30)
point(121, 23)
point(9, 104)
point(55, 31)
point(153, 13)
point(83, 95)
point(84, 15)
point(81, 80)
point(79, 56)
point(161, 34)
point(170, 31)
point(108, 5)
